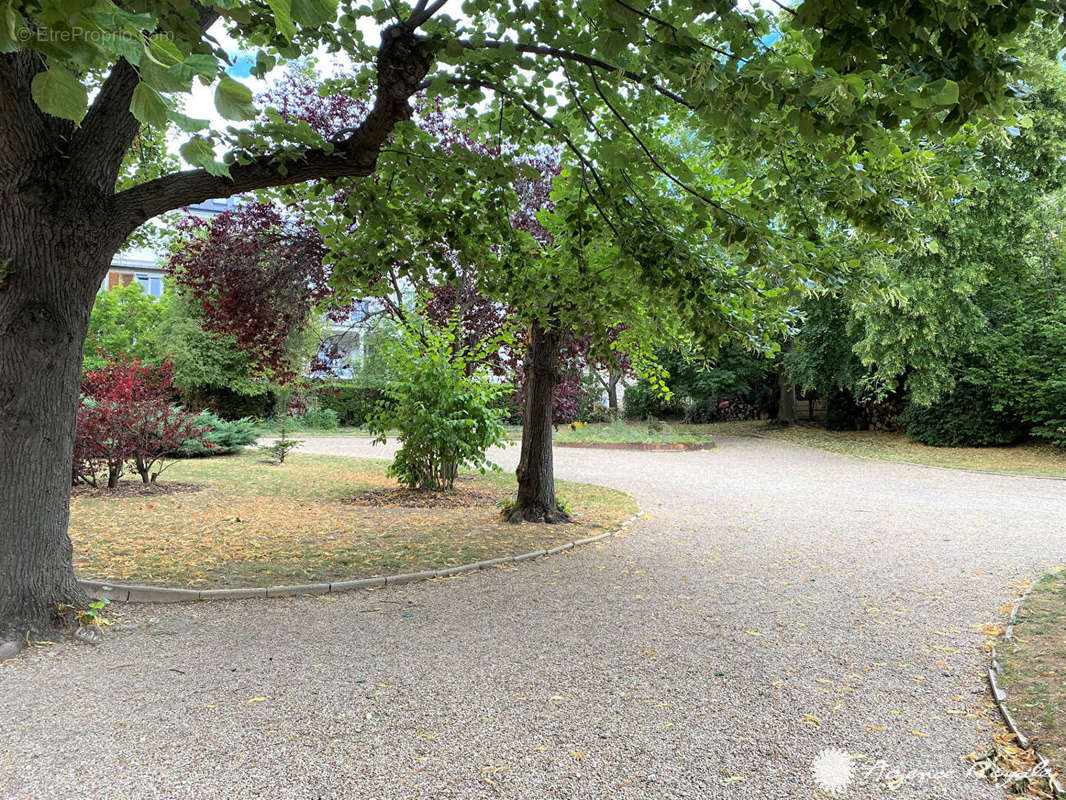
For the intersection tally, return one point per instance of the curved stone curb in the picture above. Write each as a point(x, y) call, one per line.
point(999, 695)
point(140, 593)
point(654, 446)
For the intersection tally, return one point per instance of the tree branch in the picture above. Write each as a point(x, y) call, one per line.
point(108, 129)
point(24, 130)
point(423, 12)
point(655, 162)
point(589, 61)
point(403, 62)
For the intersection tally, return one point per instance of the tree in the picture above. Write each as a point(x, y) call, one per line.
point(127, 415)
point(964, 326)
point(124, 321)
point(440, 399)
point(68, 199)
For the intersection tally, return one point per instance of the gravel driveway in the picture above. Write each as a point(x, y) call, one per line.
point(774, 601)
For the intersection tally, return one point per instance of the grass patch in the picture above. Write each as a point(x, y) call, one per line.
point(273, 430)
point(630, 432)
point(1024, 459)
point(257, 524)
point(1034, 663)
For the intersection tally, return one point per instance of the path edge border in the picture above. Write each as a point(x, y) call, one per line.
point(999, 694)
point(143, 593)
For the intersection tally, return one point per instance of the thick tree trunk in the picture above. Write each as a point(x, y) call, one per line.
point(786, 394)
point(536, 477)
point(612, 393)
point(50, 276)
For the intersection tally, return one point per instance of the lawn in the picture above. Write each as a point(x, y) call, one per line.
point(1034, 664)
point(631, 432)
point(1024, 459)
point(242, 522)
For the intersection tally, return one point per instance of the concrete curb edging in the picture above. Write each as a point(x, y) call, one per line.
point(140, 593)
point(999, 695)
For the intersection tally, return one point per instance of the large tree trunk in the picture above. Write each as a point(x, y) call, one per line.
point(536, 478)
point(612, 392)
point(46, 294)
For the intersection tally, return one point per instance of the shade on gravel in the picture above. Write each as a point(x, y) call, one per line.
point(774, 602)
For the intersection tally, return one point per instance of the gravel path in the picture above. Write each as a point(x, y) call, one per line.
point(767, 582)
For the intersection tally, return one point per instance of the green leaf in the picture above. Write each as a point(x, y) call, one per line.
point(198, 152)
point(943, 92)
point(234, 100)
point(148, 106)
point(314, 13)
point(163, 50)
point(283, 17)
point(190, 124)
point(57, 92)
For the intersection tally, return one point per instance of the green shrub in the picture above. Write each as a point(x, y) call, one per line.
point(352, 403)
point(321, 419)
point(509, 405)
point(966, 417)
point(842, 413)
point(445, 417)
point(222, 438)
point(642, 401)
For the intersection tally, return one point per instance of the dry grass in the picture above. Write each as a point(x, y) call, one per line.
point(1034, 663)
point(1023, 459)
point(256, 524)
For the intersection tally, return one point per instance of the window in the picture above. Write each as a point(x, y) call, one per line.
point(153, 285)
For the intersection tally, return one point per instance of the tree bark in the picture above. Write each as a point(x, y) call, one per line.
point(612, 393)
point(53, 268)
point(536, 500)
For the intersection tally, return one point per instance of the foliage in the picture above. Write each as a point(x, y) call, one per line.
point(965, 417)
point(124, 322)
point(325, 419)
point(127, 416)
point(351, 402)
point(255, 276)
point(698, 383)
point(281, 447)
point(442, 409)
point(643, 401)
point(220, 437)
point(977, 324)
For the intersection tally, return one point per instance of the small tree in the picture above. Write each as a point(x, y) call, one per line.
point(126, 416)
point(442, 409)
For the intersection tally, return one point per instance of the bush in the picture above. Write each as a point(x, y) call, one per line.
point(445, 417)
point(227, 404)
point(842, 413)
point(352, 403)
point(220, 437)
point(509, 404)
point(642, 401)
point(964, 418)
point(126, 418)
point(322, 419)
